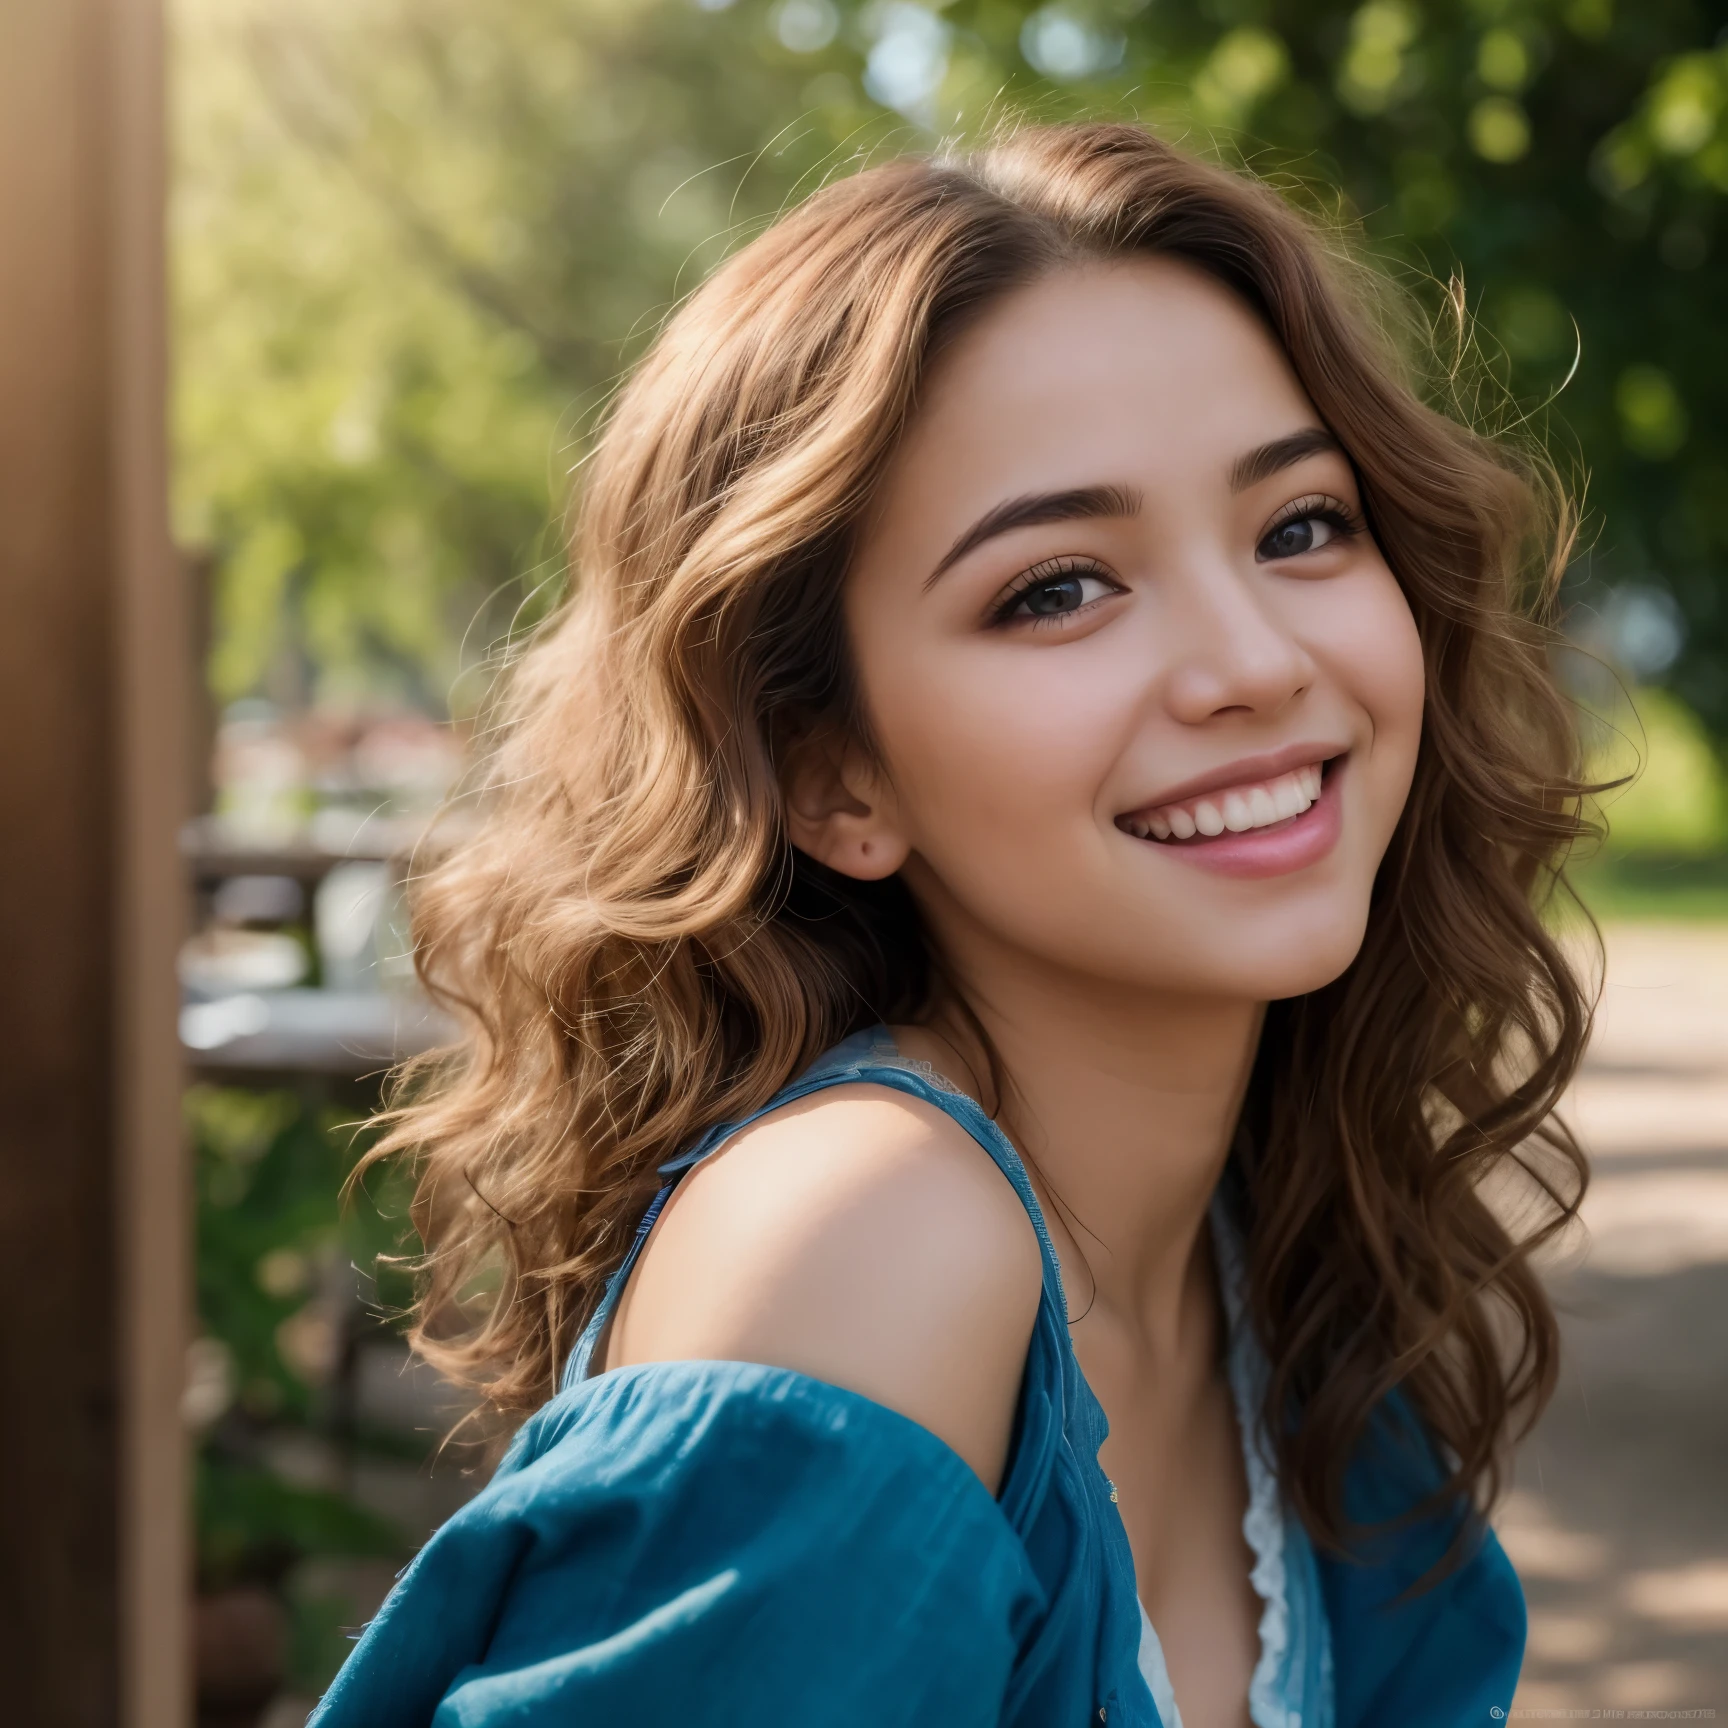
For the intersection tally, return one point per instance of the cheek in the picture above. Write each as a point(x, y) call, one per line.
point(987, 744)
point(1376, 654)
point(1398, 677)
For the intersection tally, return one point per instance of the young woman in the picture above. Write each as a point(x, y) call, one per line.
point(1000, 957)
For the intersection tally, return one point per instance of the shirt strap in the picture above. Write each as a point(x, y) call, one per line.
point(867, 1057)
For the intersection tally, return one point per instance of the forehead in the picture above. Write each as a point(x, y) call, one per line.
point(1135, 369)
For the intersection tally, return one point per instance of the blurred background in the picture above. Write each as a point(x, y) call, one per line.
point(413, 248)
point(413, 245)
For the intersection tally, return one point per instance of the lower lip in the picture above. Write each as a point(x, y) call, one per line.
point(1274, 851)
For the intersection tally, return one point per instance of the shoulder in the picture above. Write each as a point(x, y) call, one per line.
point(699, 1542)
point(859, 1236)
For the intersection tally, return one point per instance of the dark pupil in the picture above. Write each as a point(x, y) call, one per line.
point(1292, 538)
point(1062, 594)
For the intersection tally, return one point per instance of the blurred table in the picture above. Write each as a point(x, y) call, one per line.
point(263, 1035)
point(254, 1035)
point(213, 851)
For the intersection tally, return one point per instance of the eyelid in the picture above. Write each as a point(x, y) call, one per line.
point(1048, 570)
point(1312, 504)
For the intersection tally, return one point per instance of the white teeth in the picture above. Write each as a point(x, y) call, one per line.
point(1237, 810)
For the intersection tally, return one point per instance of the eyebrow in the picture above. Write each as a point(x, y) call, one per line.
point(1078, 504)
point(1262, 463)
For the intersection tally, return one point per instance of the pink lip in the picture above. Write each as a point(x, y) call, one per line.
point(1275, 851)
point(1244, 772)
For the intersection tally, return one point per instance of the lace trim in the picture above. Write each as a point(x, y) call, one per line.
point(887, 1055)
point(1263, 1522)
point(1157, 1672)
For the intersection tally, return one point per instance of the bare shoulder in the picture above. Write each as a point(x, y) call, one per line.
point(859, 1236)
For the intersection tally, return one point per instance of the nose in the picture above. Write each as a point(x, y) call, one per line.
point(1233, 653)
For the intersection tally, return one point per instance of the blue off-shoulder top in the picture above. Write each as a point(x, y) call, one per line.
point(697, 1544)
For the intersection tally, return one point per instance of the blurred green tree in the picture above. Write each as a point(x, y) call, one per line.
point(288, 1283)
point(417, 244)
point(414, 245)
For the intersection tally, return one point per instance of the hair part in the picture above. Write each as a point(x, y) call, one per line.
point(637, 952)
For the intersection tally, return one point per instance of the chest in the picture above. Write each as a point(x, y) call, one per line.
point(1177, 1468)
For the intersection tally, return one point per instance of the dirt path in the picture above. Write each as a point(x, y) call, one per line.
point(1619, 1521)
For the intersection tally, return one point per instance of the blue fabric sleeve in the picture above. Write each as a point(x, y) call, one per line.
point(1443, 1659)
point(705, 1543)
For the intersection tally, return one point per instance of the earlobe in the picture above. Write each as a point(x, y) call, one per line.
point(855, 843)
point(862, 851)
point(839, 811)
point(852, 855)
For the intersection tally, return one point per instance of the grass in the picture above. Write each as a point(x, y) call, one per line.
point(1652, 886)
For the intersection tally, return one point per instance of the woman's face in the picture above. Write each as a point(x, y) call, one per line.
point(1146, 695)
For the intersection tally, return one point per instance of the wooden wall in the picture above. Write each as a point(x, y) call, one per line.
point(93, 674)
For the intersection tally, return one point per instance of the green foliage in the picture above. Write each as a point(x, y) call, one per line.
point(285, 1277)
point(1640, 885)
point(416, 243)
point(1666, 849)
point(271, 1231)
point(251, 1523)
point(322, 1628)
point(1677, 805)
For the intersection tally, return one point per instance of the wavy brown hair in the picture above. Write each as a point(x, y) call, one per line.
point(637, 952)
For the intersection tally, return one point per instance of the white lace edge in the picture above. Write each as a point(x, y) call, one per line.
point(1263, 1521)
point(888, 1056)
point(1155, 1671)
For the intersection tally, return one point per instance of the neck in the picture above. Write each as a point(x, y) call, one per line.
point(1124, 1102)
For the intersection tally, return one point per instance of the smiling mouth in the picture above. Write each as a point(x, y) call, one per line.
point(1270, 804)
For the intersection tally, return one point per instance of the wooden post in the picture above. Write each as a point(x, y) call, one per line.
point(93, 681)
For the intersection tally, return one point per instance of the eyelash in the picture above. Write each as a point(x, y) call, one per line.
point(1317, 507)
point(1049, 570)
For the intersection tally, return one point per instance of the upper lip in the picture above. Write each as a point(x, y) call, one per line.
point(1244, 771)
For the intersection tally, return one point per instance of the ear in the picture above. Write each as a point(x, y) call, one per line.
point(840, 809)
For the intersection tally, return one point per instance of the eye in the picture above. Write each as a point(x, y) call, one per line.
point(1045, 592)
point(1306, 526)
point(1288, 539)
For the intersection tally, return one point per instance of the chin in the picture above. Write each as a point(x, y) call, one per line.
point(1261, 966)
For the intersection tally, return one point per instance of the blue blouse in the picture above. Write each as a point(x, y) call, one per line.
point(706, 1543)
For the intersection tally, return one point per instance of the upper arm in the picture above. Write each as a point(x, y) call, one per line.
point(861, 1237)
point(705, 1542)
